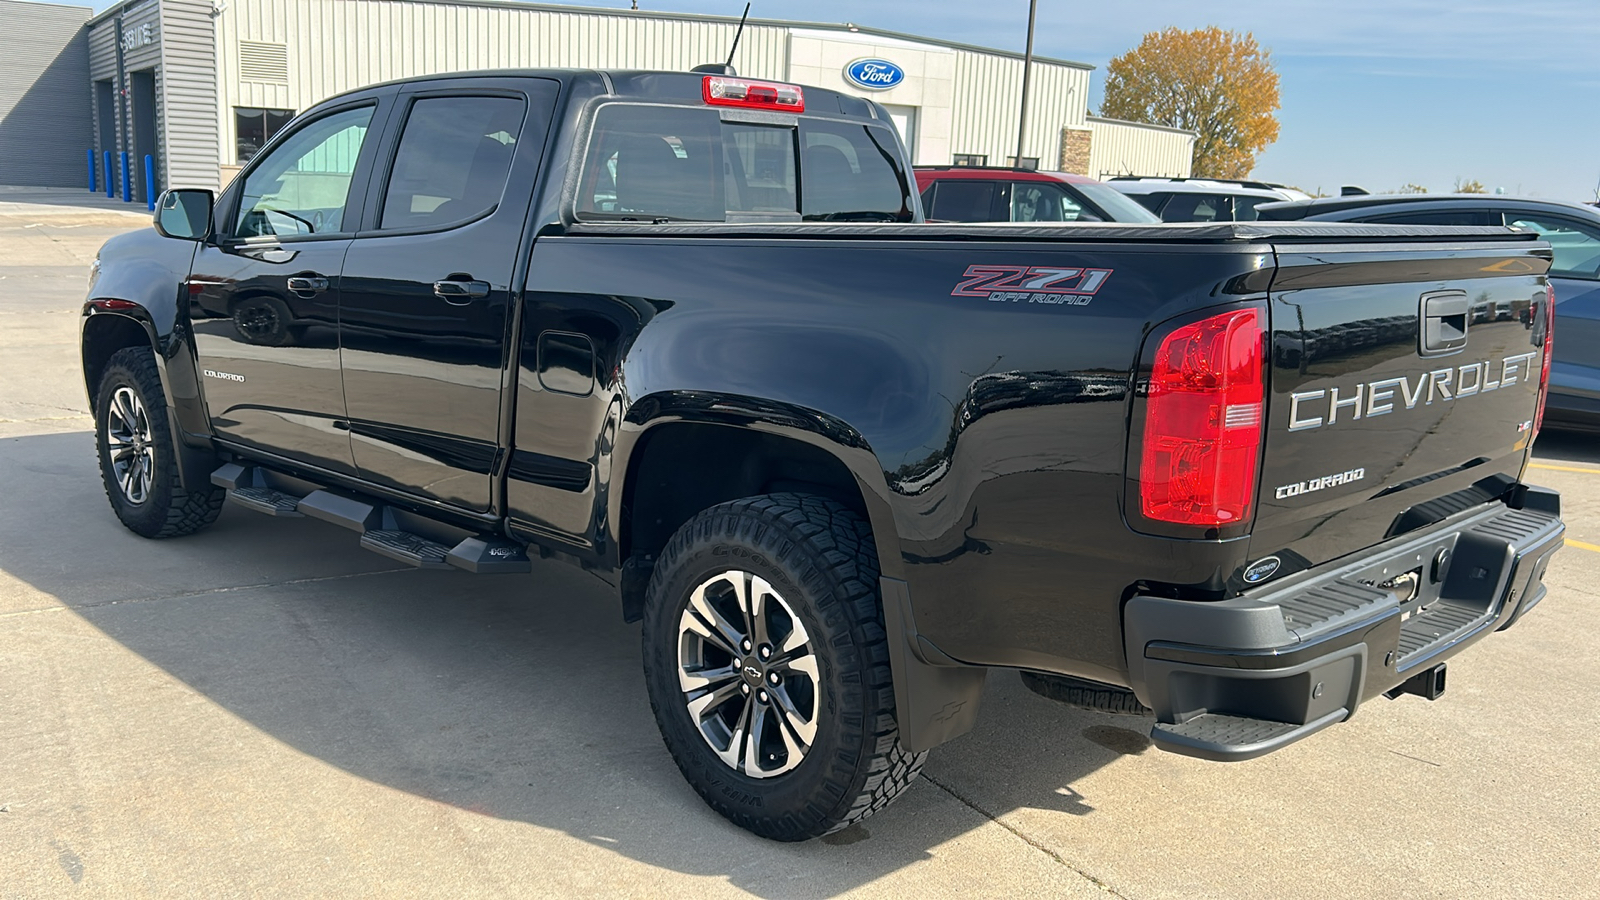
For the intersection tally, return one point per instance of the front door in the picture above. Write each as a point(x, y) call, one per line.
point(264, 293)
point(427, 288)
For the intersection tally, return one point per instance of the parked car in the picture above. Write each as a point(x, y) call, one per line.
point(1573, 231)
point(1203, 199)
point(691, 334)
point(963, 194)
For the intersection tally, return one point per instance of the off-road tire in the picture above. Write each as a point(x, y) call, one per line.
point(169, 510)
point(1083, 694)
point(820, 556)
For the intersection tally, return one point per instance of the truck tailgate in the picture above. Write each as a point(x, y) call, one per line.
point(1404, 387)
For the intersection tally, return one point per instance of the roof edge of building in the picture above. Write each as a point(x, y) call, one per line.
point(1107, 120)
point(847, 27)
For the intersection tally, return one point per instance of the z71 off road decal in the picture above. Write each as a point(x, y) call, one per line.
point(1054, 285)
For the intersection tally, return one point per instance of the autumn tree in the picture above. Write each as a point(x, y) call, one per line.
point(1411, 188)
point(1218, 84)
point(1470, 187)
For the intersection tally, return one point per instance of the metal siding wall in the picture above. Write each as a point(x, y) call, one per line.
point(46, 109)
point(340, 45)
point(1128, 148)
point(188, 94)
point(988, 97)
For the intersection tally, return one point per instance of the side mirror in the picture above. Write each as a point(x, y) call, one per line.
point(184, 214)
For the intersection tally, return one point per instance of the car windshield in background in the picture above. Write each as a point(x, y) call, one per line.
point(1118, 205)
point(684, 164)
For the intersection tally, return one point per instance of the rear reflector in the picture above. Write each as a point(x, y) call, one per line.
point(1549, 353)
point(1203, 428)
point(720, 90)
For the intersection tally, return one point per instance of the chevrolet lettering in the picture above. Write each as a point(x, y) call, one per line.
point(1316, 408)
point(838, 462)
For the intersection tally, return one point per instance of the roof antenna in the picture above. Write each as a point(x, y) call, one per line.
point(727, 67)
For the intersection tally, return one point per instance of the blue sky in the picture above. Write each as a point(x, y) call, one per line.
point(1375, 92)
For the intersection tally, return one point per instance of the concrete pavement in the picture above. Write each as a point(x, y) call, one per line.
point(266, 709)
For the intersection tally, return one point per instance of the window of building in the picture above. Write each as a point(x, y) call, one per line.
point(453, 159)
point(253, 127)
point(302, 187)
point(1028, 164)
point(975, 160)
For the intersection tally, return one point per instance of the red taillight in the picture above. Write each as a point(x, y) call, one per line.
point(1203, 421)
point(1549, 353)
point(719, 90)
point(113, 304)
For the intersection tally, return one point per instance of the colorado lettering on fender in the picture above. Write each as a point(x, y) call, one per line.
point(1286, 491)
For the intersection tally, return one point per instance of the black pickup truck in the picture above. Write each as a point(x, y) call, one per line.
point(689, 332)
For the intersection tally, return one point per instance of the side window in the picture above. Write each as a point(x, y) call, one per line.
point(1435, 217)
point(1197, 208)
point(1037, 201)
point(453, 159)
point(303, 186)
point(1576, 245)
point(1244, 208)
point(963, 201)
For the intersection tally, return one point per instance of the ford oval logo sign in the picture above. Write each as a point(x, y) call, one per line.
point(1261, 569)
point(874, 74)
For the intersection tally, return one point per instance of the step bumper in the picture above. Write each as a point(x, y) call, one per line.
point(1239, 678)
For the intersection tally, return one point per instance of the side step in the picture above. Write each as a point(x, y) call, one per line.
point(376, 523)
point(248, 488)
point(1225, 738)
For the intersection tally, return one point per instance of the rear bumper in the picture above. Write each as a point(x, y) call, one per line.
point(1239, 678)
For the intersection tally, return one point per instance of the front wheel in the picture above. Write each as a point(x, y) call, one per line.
point(138, 462)
point(768, 666)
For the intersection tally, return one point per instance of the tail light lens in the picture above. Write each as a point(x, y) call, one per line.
point(718, 90)
point(1203, 422)
point(1549, 353)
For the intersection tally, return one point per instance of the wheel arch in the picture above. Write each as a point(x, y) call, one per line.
point(703, 449)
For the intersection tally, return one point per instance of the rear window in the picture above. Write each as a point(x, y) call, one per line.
point(684, 164)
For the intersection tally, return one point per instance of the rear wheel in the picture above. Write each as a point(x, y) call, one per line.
point(768, 667)
point(138, 463)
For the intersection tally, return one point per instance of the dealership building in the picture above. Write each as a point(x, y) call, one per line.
point(200, 85)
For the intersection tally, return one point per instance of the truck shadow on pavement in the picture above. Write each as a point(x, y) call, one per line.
point(516, 697)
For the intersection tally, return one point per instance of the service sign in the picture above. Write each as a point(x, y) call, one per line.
point(874, 74)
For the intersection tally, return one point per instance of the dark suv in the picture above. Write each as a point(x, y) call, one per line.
point(1573, 231)
point(962, 194)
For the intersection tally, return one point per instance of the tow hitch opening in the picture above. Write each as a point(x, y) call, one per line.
point(1429, 684)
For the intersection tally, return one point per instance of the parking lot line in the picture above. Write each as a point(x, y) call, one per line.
point(1582, 545)
point(1563, 468)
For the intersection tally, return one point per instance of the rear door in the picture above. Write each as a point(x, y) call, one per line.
point(427, 288)
point(1397, 395)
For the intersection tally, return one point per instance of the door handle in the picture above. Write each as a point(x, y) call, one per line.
point(460, 291)
point(308, 284)
point(1444, 323)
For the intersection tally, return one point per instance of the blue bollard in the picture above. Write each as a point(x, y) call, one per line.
point(111, 181)
point(91, 170)
point(127, 180)
point(150, 182)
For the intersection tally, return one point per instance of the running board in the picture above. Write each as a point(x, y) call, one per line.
point(247, 487)
point(380, 528)
point(1225, 738)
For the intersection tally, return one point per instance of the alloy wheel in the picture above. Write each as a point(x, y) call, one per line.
point(748, 674)
point(132, 450)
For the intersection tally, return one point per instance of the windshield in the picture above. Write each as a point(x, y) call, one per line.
point(1118, 205)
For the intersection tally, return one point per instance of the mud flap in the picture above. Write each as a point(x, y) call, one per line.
point(935, 697)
